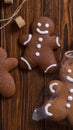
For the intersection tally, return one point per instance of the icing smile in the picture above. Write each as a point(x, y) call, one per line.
point(69, 79)
point(42, 32)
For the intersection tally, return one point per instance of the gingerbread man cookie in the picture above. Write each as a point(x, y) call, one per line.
point(60, 105)
point(7, 85)
point(39, 46)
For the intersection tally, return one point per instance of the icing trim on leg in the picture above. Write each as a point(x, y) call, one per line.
point(51, 87)
point(57, 41)
point(28, 40)
point(24, 60)
point(49, 67)
point(46, 110)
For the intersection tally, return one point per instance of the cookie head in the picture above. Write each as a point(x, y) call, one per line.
point(66, 71)
point(43, 25)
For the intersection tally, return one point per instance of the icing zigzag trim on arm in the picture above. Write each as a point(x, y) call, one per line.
point(28, 40)
point(57, 42)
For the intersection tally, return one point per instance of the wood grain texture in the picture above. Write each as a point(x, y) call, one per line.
point(16, 112)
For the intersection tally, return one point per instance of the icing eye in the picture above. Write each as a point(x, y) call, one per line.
point(39, 24)
point(69, 71)
point(46, 25)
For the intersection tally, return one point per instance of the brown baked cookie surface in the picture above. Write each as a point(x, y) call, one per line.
point(60, 104)
point(7, 84)
point(39, 46)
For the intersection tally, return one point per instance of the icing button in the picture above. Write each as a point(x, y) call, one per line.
point(39, 24)
point(68, 105)
point(69, 71)
point(40, 39)
point(71, 90)
point(37, 54)
point(38, 46)
point(70, 98)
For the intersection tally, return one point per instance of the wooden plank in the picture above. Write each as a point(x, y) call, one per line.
point(66, 22)
point(17, 111)
point(0, 96)
point(34, 79)
point(51, 9)
point(11, 108)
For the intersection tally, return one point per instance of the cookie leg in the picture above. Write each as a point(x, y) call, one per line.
point(52, 110)
point(50, 68)
point(24, 64)
point(42, 112)
point(47, 67)
point(7, 85)
point(49, 63)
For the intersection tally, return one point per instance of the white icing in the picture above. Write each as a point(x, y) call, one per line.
point(70, 98)
point(24, 60)
point(47, 25)
point(68, 105)
point(39, 24)
point(69, 71)
point(57, 41)
point(37, 54)
point(51, 87)
point(38, 46)
point(35, 110)
point(28, 40)
point(42, 32)
point(69, 79)
point(71, 90)
point(69, 54)
point(40, 39)
point(46, 110)
point(49, 67)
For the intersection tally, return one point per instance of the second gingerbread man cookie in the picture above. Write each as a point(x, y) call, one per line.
point(60, 105)
point(40, 46)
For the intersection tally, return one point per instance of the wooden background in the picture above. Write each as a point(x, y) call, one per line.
point(16, 112)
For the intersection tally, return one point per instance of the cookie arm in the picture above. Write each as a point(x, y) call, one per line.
point(55, 86)
point(25, 39)
point(55, 42)
point(11, 63)
point(3, 54)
